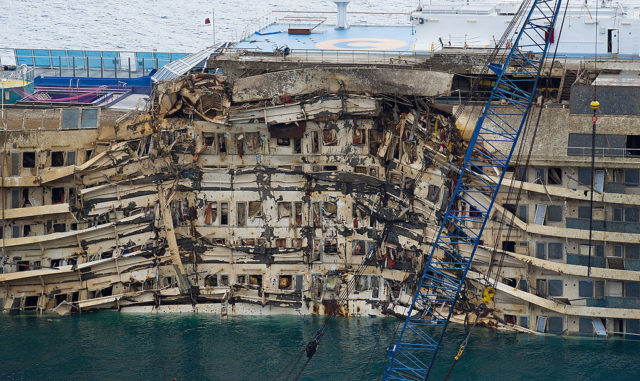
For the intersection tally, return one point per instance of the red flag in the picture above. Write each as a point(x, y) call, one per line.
point(207, 21)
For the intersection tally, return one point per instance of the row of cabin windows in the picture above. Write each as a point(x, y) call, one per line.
point(59, 195)
point(554, 176)
point(218, 213)
point(554, 213)
point(586, 288)
point(284, 282)
point(251, 142)
point(20, 160)
point(28, 230)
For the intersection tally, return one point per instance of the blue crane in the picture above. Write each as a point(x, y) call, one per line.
point(490, 148)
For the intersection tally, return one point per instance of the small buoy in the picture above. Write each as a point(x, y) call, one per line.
point(595, 105)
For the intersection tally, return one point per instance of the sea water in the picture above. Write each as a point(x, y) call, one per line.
point(112, 346)
point(165, 25)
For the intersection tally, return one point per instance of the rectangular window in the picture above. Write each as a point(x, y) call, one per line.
point(522, 213)
point(541, 211)
point(584, 176)
point(540, 177)
point(57, 159)
point(631, 177)
point(297, 145)
point(224, 213)
point(554, 176)
point(586, 326)
point(241, 212)
point(555, 250)
point(632, 289)
point(28, 160)
point(555, 287)
point(584, 212)
point(283, 142)
point(70, 118)
point(89, 118)
point(554, 324)
point(617, 251)
point(297, 206)
point(284, 210)
point(57, 195)
point(222, 143)
point(331, 246)
point(523, 321)
point(315, 142)
point(15, 198)
point(632, 251)
point(359, 136)
point(15, 163)
point(599, 289)
point(554, 213)
point(631, 215)
point(71, 158)
point(585, 289)
point(540, 250)
point(617, 214)
point(255, 209)
point(329, 137)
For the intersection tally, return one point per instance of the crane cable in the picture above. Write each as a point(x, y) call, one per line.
point(489, 292)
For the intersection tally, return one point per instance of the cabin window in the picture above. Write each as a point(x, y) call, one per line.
point(297, 145)
point(540, 250)
point(585, 289)
point(361, 169)
point(59, 228)
point(584, 176)
point(71, 158)
point(555, 250)
point(224, 280)
point(23, 265)
point(331, 246)
point(57, 159)
point(359, 136)
point(296, 243)
point(540, 176)
point(57, 195)
point(28, 160)
point(297, 221)
point(357, 247)
point(554, 176)
point(241, 212)
point(222, 143)
point(632, 252)
point(255, 280)
point(362, 283)
point(555, 287)
point(554, 213)
point(315, 142)
point(617, 214)
point(285, 282)
point(211, 214)
point(631, 177)
point(241, 279)
point(89, 118)
point(554, 324)
point(631, 215)
point(329, 137)
point(284, 210)
point(281, 243)
point(373, 171)
point(224, 213)
point(330, 209)
point(255, 209)
point(283, 142)
point(433, 193)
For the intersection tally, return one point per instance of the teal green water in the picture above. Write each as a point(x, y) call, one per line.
point(112, 346)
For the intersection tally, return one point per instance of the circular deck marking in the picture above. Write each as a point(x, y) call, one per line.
point(361, 44)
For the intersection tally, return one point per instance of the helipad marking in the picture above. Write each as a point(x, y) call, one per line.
point(364, 43)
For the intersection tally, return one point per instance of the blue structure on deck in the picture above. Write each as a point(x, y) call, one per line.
point(490, 148)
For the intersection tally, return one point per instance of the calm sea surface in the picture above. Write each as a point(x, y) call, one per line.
point(112, 346)
point(167, 25)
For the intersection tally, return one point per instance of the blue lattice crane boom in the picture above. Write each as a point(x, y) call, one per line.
point(490, 149)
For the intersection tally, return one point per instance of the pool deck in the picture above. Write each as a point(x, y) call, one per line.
point(327, 37)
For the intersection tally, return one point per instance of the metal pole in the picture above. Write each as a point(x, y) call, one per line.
point(143, 66)
point(74, 66)
point(87, 60)
point(115, 67)
point(101, 67)
point(213, 24)
point(60, 66)
point(129, 67)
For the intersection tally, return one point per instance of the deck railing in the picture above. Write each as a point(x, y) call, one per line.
point(89, 63)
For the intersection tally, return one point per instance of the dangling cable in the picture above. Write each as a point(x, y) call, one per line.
point(595, 105)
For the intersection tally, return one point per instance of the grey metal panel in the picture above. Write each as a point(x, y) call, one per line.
point(614, 100)
point(15, 163)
